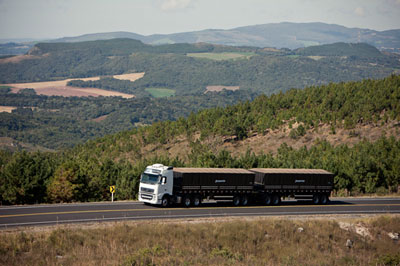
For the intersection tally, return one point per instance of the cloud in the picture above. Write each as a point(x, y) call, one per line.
point(169, 5)
point(359, 11)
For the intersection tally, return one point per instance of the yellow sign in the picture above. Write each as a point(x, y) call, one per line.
point(112, 189)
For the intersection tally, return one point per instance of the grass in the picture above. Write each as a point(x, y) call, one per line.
point(268, 241)
point(221, 56)
point(161, 92)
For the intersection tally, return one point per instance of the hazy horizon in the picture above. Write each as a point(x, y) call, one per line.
point(49, 19)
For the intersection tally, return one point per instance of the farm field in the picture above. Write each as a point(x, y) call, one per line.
point(60, 88)
point(161, 92)
point(221, 56)
point(7, 109)
point(220, 88)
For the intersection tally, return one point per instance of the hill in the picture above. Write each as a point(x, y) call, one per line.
point(351, 129)
point(278, 35)
point(183, 67)
point(183, 75)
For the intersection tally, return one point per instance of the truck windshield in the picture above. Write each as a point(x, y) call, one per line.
point(149, 179)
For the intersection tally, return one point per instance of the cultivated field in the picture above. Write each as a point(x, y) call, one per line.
point(230, 241)
point(221, 56)
point(220, 88)
point(60, 88)
point(7, 109)
point(161, 92)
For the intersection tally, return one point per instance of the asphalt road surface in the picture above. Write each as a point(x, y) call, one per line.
point(32, 215)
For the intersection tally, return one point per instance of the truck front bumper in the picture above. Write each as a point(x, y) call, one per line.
point(149, 198)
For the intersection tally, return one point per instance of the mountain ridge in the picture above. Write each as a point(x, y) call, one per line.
point(279, 35)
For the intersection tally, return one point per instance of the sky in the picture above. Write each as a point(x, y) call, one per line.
point(45, 19)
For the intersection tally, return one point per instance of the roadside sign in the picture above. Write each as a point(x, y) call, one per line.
point(112, 190)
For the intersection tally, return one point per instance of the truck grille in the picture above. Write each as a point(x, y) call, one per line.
point(144, 189)
point(146, 197)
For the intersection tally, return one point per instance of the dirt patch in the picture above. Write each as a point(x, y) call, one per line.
point(100, 118)
point(7, 109)
point(68, 91)
point(131, 77)
point(60, 88)
point(220, 88)
point(19, 58)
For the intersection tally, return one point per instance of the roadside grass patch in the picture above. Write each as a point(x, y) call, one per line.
point(160, 92)
point(261, 241)
point(221, 56)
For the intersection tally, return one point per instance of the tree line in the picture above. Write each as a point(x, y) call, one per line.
point(79, 176)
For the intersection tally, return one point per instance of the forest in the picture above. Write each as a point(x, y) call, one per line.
point(57, 122)
point(84, 172)
point(169, 66)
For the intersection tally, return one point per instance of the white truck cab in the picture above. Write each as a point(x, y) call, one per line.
point(156, 185)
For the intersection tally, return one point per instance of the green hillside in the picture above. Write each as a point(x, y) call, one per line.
point(85, 172)
point(168, 66)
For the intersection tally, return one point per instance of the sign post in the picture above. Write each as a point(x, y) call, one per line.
point(112, 190)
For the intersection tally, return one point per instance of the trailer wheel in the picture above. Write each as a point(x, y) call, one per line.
point(187, 201)
point(236, 200)
point(196, 201)
point(245, 200)
point(316, 199)
point(165, 201)
point(276, 199)
point(324, 199)
point(267, 199)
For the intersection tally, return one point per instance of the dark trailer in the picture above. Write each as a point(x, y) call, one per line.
point(274, 183)
point(196, 184)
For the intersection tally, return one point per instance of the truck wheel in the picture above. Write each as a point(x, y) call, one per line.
point(236, 200)
point(196, 201)
point(187, 201)
point(165, 201)
point(245, 200)
point(267, 199)
point(276, 199)
point(324, 199)
point(316, 199)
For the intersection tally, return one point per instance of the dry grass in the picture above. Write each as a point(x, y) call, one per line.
point(7, 109)
point(60, 88)
point(132, 76)
point(267, 241)
point(273, 139)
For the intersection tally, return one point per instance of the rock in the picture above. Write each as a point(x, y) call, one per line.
point(393, 236)
point(349, 243)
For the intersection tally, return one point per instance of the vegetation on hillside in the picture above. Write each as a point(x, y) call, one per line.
point(85, 172)
point(60, 122)
point(168, 66)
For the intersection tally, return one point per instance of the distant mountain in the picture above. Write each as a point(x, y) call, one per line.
point(279, 35)
point(101, 36)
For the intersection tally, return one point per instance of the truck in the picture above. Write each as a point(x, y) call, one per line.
point(166, 185)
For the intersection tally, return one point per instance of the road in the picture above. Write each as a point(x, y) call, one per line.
point(32, 215)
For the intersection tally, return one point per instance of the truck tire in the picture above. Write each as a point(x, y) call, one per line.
point(165, 201)
point(267, 199)
point(244, 200)
point(276, 199)
point(324, 199)
point(316, 199)
point(236, 201)
point(187, 201)
point(196, 201)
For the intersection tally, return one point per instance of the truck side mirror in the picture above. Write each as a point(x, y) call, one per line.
point(164, 180)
